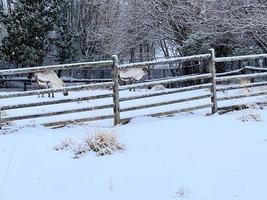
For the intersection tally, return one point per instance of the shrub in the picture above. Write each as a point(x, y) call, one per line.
point(104, 143)
point(80, 151)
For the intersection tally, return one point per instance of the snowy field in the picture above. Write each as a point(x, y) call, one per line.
point(188, 156)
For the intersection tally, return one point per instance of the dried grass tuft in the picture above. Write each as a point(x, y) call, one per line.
point(104, 142)
point(66, 144)
point(251, 117)
point(81, 150)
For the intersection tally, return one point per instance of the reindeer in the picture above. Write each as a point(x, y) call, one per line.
point(49, 79)
point(131, 75)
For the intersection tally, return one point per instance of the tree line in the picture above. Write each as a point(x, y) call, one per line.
point(34, 32)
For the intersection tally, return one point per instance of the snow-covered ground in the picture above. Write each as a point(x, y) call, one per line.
point(188, 156)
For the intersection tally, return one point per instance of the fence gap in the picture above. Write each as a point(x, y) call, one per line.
point(116, 98)
point(213, 80)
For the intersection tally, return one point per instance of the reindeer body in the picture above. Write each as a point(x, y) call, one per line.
point(130, 75)
point(49, 79)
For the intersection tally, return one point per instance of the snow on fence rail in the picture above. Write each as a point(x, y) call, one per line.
point(106, 63)
point(46, 91)
point(165, 61)
point(160, 93)
point(240, 58)
point(115, 90)
point(170, 80)
point(241, 70)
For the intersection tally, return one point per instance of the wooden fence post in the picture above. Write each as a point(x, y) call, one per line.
point(116, 99)
point(213, 88)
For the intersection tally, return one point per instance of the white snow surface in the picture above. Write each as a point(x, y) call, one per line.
point(188, 156)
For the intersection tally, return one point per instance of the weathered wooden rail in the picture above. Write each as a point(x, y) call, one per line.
point(113, 90)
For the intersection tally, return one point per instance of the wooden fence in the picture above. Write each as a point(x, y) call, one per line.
point(110, 84)
point(208, 81)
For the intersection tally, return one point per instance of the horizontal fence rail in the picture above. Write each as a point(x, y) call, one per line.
point(61, 101)
point(241, 77)
point(165, 103)
point(85, 109)
point(165, 61)
point(75, 121)
point(173, 91)
point(253, 94)
point(171, 80)
point(46, 91)
point(235, 87)
point(224, 109)
point(166, 113)
point(241, 70)
point(56, 67)
point(240, 58)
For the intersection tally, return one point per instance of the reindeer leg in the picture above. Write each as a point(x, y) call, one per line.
point(38, 88)
point(134, 83)
point(129, 82)
point(47, 86)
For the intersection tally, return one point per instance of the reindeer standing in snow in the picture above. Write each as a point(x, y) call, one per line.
point(49, 79)
point(131, 75)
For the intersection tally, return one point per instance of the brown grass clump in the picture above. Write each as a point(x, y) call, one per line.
point(7, 128)
point(104, 143)
point(182, 193)
point(80, 151)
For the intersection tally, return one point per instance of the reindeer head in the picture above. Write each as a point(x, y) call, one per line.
point(146, 70)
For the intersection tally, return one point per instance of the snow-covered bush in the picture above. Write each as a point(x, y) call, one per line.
point(80, 150)
point(104, 143)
